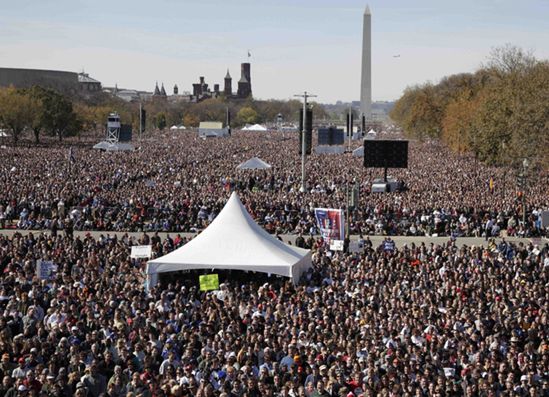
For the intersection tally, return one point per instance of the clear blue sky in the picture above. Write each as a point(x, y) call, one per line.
point(296, 45)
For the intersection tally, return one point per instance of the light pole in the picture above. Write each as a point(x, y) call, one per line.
point(303, 146)
point(350, 132)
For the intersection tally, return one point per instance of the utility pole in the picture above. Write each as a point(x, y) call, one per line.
point(350, 132)
point(140, 120)
point(303, 145)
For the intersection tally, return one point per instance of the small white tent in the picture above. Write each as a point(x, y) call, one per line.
point(255, 163)
point(255, 127)
point(114, 146)
point(233, 241)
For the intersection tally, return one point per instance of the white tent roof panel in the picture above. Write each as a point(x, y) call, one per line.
point(255, 163)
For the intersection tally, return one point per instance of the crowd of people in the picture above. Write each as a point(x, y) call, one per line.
point(413, 320)
point(177, 183)
point(416, 320)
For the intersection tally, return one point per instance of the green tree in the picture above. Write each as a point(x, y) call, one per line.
point(160, 120)
point(16, 108)
point(59, 118)
point(246, 115)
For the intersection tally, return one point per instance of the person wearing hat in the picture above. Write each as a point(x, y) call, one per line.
point(81, 390)
point(20, 371)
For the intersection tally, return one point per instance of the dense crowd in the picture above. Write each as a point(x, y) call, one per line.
point(419, 320)
point(176, 183)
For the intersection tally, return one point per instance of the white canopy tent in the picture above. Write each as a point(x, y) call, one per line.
point(233, 241)
point(114, 146)
point(255, 163)
point(255, 127)
point(177, 127)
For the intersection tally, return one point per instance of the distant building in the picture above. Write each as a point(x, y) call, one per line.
point(244, 89)
point(228, 89)
point(159, 93)
point(87, 84)
point(64, 82)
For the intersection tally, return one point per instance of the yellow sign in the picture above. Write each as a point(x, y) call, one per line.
point(209, 282)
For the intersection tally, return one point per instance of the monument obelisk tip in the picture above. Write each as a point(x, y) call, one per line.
point(367, 10)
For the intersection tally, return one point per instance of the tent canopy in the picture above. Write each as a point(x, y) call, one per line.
point(255, 163)
point(255, 127)
point(233, 241)
point(114, 146)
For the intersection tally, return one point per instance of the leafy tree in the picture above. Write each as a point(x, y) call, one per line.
point(190, 120)
point(160, 120)
point(59, 117)
point(246, 115)
point(16, 111)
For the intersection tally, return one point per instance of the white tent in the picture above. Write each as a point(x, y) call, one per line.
point(372, 131)
point(114, 146)
point(233, 241)
point(255, 163)
point(255, 127)
point(177, 127)
point(359, 151)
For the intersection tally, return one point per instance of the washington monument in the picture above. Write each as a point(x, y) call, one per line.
point(366, 80)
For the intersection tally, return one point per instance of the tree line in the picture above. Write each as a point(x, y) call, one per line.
point(39, 111)
point(500, 112)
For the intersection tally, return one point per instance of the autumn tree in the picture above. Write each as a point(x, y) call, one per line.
point(16, 111)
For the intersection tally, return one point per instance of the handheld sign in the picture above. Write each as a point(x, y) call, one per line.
point(141, 251)
point(336, 245)
point(46, 270)
point(209, 282)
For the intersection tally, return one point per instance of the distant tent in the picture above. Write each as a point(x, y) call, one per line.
point(255, 163)
point(114, 146)
point(177, 127)
point(255, 127)
point(3, 134)
point(372, 131)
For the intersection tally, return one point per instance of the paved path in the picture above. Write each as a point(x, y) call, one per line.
point(376, 240)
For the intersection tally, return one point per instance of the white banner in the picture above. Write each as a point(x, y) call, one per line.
point(141, 251)
point(46, 270)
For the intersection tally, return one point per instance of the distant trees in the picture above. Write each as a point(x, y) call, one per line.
point(39, 111)
point(501, 112)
